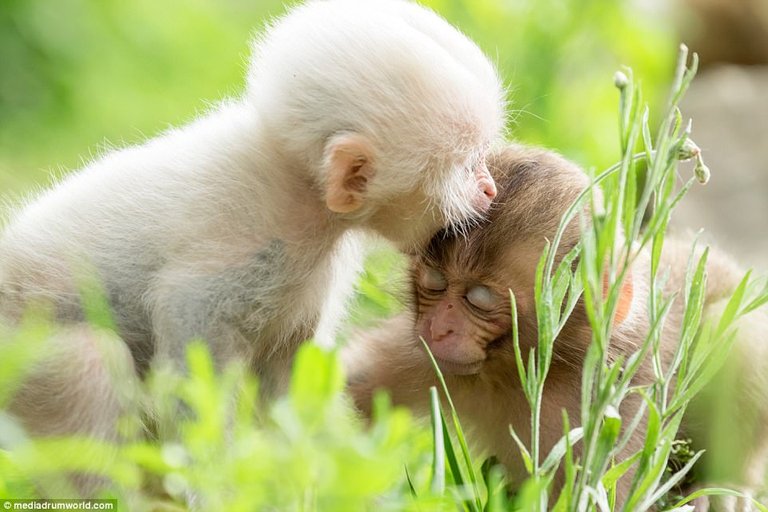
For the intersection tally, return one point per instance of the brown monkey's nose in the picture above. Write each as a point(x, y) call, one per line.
point(442, 325)
point(440, 333)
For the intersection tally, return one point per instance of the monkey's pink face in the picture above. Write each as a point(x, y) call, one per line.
point(459, 319)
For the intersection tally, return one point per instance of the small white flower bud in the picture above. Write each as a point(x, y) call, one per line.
point(688, 150)
point(620, 80)
point(701, 171)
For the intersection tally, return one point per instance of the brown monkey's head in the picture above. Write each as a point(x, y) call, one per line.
point(461, 282)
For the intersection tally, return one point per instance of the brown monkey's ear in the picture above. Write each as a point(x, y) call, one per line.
point(348, 170)
point(626, 296)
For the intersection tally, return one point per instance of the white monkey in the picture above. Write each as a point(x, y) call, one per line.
point(243, 227)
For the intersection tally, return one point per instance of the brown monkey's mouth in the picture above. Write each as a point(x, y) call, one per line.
point(454, 368)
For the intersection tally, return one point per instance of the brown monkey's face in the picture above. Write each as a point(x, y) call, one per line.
point(463, 277)
point(465, 316)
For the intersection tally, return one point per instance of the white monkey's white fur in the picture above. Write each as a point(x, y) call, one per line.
point(219, 229)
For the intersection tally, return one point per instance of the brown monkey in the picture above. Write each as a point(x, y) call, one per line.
point(461, 291)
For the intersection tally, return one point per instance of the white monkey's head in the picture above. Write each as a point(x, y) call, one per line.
point(389, 107)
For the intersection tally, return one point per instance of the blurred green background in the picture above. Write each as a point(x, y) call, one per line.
point(80, 76)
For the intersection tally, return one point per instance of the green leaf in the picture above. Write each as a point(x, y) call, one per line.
point(612, 476)
point(719, 491)
point(558, 451)
point(438, 444)
point(476, 502)
point(317, 379)
point(524, 453)
point(670, 483)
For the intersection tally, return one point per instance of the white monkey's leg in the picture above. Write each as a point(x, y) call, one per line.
point(80, 386)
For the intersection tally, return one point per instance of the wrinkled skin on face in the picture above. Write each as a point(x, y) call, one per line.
point(462, 317)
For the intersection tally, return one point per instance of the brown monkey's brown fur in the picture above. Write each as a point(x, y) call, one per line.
point(534, 189)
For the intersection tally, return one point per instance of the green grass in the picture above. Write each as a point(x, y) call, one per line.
point(309, 451)
point(638, 182)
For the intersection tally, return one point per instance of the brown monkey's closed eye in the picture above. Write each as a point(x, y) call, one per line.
point(482, 298)
point(433, 280)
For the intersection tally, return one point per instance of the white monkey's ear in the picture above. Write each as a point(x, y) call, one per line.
point(348, 171)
